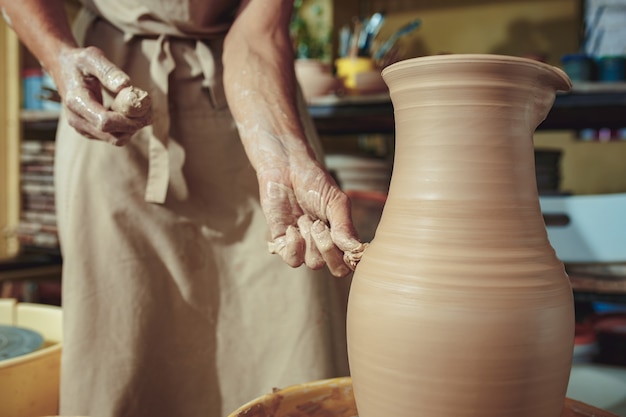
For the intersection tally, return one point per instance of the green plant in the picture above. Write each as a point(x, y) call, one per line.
point(311, 35)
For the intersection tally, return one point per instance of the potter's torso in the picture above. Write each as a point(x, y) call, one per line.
point(174, 17)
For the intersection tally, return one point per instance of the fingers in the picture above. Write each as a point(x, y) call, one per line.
point(110, 127)
point(92, 62)
point(339, 214)
point(329, 251)
point(290, 247)
point(312, 257)
point(311, 243)
point(87, 115)
point(343, 232)
point(85, 72)
point(324, 235)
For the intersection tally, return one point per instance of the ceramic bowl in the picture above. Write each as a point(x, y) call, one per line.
point(369, 82)
point(315, 79)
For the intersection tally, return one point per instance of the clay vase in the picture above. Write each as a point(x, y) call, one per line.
point(460, 306)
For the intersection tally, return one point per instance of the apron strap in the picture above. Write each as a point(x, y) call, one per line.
point(211, 69)
point(161, 65)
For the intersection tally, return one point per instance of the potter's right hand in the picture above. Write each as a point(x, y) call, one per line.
point(80, 77)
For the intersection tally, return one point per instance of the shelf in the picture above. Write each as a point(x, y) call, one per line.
point(40, 119)
point(31, 266)
point(589, 297)
point(586, 106)
point(598, 282)
point(33, 116)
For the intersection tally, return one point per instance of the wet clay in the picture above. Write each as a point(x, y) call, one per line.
point(132, 102)
point(459, 307)
point(352, 257)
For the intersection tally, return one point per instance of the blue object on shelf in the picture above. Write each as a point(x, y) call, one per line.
point(32, 83)
point(602, 307)
point(579, 67)
point(611, 68)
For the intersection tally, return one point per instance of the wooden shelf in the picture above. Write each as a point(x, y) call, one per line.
point(587, 106)
point(31, 266)
point(40, 119)
point(35, 116)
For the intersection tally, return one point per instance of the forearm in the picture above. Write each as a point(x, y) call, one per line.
point(260, 87)
point(307, 214)
point(42, 26)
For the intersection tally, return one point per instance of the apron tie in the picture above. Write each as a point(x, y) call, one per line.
point(165, 155)
point(161, 65)
point(210, 67)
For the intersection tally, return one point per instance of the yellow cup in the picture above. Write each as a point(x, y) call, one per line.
point(349, 67)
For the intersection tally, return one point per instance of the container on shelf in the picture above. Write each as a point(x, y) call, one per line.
point(585, 343)
point(611, 68)
point(32, 84)
point(579, 67)
point(49, 91)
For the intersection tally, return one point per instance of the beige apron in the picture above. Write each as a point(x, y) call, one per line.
point(176, 308)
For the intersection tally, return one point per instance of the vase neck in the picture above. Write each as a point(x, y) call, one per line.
point(464, 126)
point(493, 83)
point(466, 158)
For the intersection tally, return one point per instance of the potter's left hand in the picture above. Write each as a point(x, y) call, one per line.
point(309, 217)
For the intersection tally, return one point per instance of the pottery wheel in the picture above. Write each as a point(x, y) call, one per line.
point(17, 341)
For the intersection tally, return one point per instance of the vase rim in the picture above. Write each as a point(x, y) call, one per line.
point(476, 58)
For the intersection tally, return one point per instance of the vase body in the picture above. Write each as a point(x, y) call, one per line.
point(460, 307)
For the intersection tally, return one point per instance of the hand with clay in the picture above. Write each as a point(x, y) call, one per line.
point(309, 216)
point(79, 73)
point(83, 73)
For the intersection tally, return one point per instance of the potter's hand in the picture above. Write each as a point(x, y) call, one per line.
point(309, 217)
point(82, 74)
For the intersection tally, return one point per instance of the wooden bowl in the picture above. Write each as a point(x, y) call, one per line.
point(333, 398)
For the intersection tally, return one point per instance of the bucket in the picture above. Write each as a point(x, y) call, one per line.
point(29, 384)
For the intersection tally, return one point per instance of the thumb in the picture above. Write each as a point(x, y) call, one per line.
point(344, 234)
point(339, 216)
point(93, 62)
point(353, 249)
